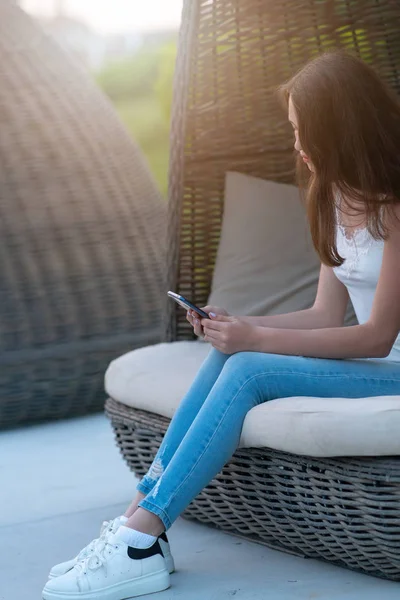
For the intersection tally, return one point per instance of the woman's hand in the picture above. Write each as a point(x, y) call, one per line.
point(230, 334)
point(195, 319)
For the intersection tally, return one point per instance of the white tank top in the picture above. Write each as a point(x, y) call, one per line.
point(360, 273)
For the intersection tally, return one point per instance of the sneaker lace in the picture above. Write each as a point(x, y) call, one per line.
point(106, 528)
point(97, 559)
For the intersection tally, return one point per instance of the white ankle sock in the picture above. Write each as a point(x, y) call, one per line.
point(123, 520)
point(135, 539)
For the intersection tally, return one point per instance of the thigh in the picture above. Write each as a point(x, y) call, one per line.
point(274, 376)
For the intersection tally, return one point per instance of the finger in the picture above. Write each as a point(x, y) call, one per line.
point(215, 309)
point(222, 318)
point(208, 308)
point(198, 328)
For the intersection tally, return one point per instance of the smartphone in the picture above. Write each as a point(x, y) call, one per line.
point(188, 305)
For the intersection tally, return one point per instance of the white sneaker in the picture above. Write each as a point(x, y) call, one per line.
point(107, 528)
point(114, 571)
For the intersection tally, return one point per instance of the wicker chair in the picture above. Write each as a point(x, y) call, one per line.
point(232, 56)
point(81, 232)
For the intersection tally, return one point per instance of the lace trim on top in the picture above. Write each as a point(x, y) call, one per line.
point(359, 244)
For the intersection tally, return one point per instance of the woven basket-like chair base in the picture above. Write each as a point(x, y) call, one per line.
point(346, 511)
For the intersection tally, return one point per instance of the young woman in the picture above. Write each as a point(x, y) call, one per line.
point(347, 137)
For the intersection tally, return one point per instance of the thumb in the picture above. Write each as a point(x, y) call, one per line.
point(216, 317)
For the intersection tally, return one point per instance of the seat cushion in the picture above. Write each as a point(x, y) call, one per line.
point(157, 377)
point(326, 426)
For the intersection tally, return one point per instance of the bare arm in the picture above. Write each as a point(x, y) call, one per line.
point(328, 310)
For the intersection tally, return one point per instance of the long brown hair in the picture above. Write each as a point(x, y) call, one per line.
point(349, 127)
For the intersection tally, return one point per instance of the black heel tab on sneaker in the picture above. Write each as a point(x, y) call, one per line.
point(163, 537)
point(140, 553)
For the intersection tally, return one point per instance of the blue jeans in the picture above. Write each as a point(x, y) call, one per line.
point(205, 430)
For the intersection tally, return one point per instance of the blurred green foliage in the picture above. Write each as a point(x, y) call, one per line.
point(140, 88)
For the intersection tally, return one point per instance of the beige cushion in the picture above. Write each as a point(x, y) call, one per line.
point(266, 263)
point(326, 426)
point(157, 377)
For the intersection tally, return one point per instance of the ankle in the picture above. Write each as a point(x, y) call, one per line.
point(146, 522)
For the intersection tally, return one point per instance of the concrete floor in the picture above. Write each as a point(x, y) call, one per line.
point(59, 481)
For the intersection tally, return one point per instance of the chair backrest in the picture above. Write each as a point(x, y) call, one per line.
point(232, 56)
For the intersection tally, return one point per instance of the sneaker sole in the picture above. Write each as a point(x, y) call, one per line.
point(140, 586)
point(169, 561)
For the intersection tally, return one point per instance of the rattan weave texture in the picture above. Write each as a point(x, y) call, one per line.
point(81, 231)
point(345, 511)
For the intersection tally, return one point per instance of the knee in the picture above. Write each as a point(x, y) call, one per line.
point(243, 362)
point(241, 368)
point(255, 362)
point(253, 371)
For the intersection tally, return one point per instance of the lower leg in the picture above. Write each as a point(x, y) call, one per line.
point(134, 504)
point(181, 421)
point(138, 518)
